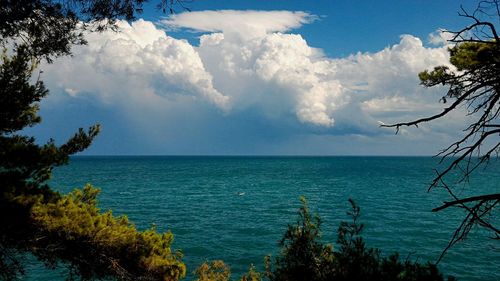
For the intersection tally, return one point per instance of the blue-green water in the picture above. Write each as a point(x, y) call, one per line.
point(237, 208)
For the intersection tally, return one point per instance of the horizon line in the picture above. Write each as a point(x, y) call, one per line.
point(249, 155)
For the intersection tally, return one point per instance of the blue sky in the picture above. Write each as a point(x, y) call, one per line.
point(258, 78)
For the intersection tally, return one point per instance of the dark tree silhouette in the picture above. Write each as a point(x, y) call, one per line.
point(34, 218)
point(473, 84)
point(304, 256)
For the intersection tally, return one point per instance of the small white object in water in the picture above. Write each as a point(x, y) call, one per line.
point(241, 193)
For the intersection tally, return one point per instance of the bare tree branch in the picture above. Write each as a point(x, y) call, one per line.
point(474, 86)
point(488, 197)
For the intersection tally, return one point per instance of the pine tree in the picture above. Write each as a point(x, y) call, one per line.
point(34, 218)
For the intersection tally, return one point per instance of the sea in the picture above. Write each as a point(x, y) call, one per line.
point(237, 208)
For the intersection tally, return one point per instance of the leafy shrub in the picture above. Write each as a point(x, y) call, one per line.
point(304, 257)
point(71, 229)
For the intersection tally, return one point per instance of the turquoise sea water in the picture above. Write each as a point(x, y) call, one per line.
point(237, 208)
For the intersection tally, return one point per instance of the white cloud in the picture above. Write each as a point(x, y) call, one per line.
point(139, 62)
point(248, 23)
point(385, 84)
point(391, 104)
point(292, 76)
point(440, 37)
point(247, 64)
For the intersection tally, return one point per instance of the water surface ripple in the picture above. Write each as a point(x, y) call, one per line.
point(237, 208)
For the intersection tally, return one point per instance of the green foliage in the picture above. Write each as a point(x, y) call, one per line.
point(474, 55)
point(218, 271)
point(304, 257)
point(73, 229)
point(25, 166)
point(60, 228)
point(354, 260)
point(476, 63)
point(213, 271)
point(48, 29)
point(438, 75)
point(18, 95)
point(474, 85)
point(251, 275)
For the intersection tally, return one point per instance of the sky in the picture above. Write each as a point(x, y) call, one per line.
point(258, 78)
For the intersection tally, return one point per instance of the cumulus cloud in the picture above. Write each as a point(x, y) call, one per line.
point(137, 63)
point(386, 82)
point(247, 64)
point(291, 75)
point(278, 73)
